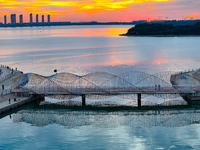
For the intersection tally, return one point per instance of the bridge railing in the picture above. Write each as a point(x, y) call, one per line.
point(105, 90)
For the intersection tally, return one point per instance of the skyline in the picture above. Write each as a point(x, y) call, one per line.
point(103, 10)
point(33, 18)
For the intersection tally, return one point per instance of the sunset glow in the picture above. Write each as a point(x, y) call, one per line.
point(103, 10)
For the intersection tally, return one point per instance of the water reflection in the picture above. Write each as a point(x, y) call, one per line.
point(106, 119)
point(63, 31)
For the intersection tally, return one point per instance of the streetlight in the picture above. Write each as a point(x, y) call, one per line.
point(55, 70)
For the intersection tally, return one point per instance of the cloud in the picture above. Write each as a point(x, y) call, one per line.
point(81, 4)
point(104, 9)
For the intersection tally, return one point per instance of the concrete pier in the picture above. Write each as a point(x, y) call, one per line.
point(11, 101)
point(14, 103)
point(8, 99)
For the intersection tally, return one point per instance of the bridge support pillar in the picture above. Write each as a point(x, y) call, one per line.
point(83, 100)
point(189, 102)
point(39, 98)
point(139, 100)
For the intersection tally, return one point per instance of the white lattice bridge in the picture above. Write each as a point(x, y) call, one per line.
point(133, 85)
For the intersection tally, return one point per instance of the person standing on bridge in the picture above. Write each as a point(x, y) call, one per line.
point(9, 100)
point(158, 87)
point(155, 87)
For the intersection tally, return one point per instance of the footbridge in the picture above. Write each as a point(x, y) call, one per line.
point(98, 85)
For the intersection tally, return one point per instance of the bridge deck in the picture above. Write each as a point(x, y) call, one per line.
point(106, 91)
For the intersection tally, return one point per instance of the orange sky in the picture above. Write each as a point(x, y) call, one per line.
point(102, 10)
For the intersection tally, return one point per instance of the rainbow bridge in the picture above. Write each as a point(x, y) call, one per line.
point(97, 85)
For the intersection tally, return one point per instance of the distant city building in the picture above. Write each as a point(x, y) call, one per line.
point(5, 20)
point(42, 18)
point(31, 18)
point(21, 19)
point(48, 19)
point(13, 18)
point(37, 19)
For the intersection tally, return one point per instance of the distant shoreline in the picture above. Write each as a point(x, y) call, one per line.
point(62, 24)
point(44, 24)
point(160, 35)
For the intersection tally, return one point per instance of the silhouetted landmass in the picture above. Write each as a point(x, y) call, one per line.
point(40, 24)
point(155, 29)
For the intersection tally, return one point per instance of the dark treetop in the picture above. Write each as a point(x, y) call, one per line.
point(146, 29)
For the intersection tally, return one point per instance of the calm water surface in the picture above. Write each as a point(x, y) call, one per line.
point(83, 49)
point(94, 48)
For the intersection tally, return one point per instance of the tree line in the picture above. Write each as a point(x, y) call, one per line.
point(147, 29)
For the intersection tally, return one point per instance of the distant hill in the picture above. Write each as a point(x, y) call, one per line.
point(156, 29)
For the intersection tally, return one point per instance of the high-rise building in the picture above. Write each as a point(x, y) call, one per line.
point(13, 18)
point(42, 18)
point(37, 20)
point(5, 20)
point(31, 18)
point(21, 19)
point(48, 19)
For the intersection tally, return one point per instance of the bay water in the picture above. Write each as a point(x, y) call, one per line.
point(84, 49)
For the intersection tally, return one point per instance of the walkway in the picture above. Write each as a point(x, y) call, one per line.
point(7, 76)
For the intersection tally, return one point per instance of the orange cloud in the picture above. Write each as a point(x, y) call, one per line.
point(102, 5)
point(191, 17)
point(160, 61)
point(81, 5)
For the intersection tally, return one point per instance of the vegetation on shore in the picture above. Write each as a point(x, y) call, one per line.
point(147, 29)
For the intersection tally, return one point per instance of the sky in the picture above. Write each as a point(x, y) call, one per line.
point(102, 10)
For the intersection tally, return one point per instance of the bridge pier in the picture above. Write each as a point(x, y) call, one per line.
point(38, 98)
point(83, 100)
point(139, 100)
